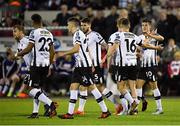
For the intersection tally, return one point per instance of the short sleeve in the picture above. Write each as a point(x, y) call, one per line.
point(139, 41)
point(52, 41)
point(32, 36)
point(114, 38)
point(79, 37)
point(99, 39)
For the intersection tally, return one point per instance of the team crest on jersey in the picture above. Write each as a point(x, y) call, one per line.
point(117, 36)
point(31, 35)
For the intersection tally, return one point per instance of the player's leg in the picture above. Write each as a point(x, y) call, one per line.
point(100, 83)
point(125, 96)
point(157, 97)
point(36, 92)
point(76, 80)
point(98, 96)
point(82, 100)
point(152, 78)
point(139, 85)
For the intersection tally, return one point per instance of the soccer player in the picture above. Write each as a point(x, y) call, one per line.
point(41, 45)
point(19, 36)
point(83, 70)
point(149, 64)
point(127, 43)
point(95, 41)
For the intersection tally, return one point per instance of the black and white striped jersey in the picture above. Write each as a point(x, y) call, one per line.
point(149, 56)
point(42, 39)
point(128, 43)
point(94, 41)
point(82, 57)
point(22, 44)
point(116, 60)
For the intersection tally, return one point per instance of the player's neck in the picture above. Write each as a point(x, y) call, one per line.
point(124, 30)
point(37, 26)
point(88, 31)
point(74, 30)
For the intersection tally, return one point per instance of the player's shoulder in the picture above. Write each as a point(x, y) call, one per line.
point(141, 36)
point(79, 34)
point(94, 33)
point(25, 39)
point(115, 34)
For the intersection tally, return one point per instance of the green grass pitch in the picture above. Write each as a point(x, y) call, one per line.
point(15, 112)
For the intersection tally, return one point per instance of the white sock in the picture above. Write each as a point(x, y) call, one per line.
point(82, 100)
point(124, 103)
point(73, 99)
point(42, 97)
point(101, 102)
point(139, 94)
point(128, 96)
point(109, 95)
point(157, 96)
point(5, 88)
point(36, 105)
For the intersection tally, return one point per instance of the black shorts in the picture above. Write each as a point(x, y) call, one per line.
point(83, 76)
point(127, 73)
point(148, 74)
point(98, 75)
point(38, 76)
point(26, 79)
point(114, 73)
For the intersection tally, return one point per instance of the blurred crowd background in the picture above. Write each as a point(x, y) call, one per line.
point(165, 15)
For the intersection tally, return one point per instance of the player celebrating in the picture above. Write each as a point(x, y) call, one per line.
point(41, 44)
point(83, 71)
point(127, 43)
point(95, 41)
point(149, 63)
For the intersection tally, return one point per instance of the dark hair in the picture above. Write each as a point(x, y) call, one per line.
point(19, 27)
point(147, 20)
point(75, 20)
point(123, 21)
point(86, 20)
point(36, 18)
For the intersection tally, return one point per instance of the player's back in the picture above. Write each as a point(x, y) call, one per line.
point(117, 57)
point(42, 40)
point(128, 46)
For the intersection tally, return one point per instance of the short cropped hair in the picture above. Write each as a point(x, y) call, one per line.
point(146, 20)
point(123, 22)
point(75, 21)
point(86, 20)
point(36, 18)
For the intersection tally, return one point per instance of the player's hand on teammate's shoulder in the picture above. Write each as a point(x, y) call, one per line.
point(160, 47)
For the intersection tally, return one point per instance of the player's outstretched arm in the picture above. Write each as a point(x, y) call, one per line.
point(75, 49)
point(25, 51)
point(148, 46)
point(155, 36)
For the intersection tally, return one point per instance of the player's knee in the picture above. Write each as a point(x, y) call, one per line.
point(33, 92)
point(82, 88)
point(92, 87)
point(74, 86)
